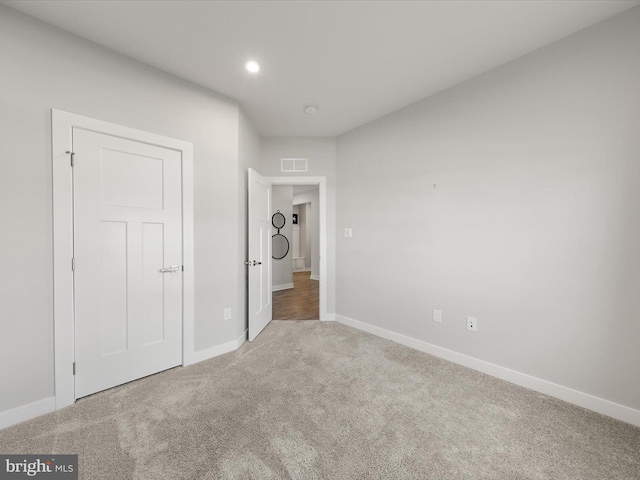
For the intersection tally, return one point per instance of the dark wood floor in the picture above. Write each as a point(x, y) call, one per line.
point(300, 302)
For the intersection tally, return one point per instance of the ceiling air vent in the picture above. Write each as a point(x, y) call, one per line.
point(293, 165)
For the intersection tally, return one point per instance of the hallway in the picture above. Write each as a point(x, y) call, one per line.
point(300, 302)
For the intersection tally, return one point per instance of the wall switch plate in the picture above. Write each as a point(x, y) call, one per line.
point(227, 313)
point(437, 315)
point(348, 232)
point(472, 324)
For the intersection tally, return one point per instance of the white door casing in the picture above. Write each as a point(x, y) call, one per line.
point(259, 261)
point(63, 126)
point(128, 260)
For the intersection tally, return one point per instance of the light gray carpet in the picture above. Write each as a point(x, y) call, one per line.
point(311, 400)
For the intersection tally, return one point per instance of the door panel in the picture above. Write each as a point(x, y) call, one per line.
point(120, 175)
point(127, 227)
point(260, 307)
point(113, 270)
point(153, 285)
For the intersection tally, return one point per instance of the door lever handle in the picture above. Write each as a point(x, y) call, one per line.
point(171, 269)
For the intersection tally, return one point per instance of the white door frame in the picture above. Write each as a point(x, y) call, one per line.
point(321, 182)
point(62, 124)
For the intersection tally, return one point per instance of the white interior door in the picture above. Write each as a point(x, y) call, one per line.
point(259, 261)
point(128, 260)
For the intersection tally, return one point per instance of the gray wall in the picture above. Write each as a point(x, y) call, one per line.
point(308, 232)
point(282, 199)
point(533, 225)
point(43, 67)
point(305, 222)
point(321, 152)
point(248, 157)
point(311, 197)
point(301, 227)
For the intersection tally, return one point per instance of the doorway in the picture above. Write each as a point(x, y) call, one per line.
point(296, 274)
point(261, 229)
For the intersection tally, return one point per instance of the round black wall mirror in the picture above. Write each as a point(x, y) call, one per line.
point(279, 246)
point(278, 220)
point(279, 243)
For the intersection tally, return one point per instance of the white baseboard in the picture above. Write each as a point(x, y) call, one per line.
point(296, 270)
point(329, 317)
point(315, 277)
point(585, 400)
point(211, 352)
point(27, 412)
point(284, 286)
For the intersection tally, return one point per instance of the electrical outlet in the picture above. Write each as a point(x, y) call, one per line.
point(348, 232)
point(227, 313)
point(437, 315)
point(472, 324)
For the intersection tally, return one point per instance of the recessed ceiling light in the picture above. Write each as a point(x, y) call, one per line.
point(252, 66)
point(311, 109)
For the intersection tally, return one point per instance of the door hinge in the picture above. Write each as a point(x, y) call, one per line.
point(183, 268)
point(73, 264)
point(72, 155)
point(74, 368)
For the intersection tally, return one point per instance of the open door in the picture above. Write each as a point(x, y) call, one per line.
point(259, 261)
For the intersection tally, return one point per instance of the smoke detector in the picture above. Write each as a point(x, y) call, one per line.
point(310, 109)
